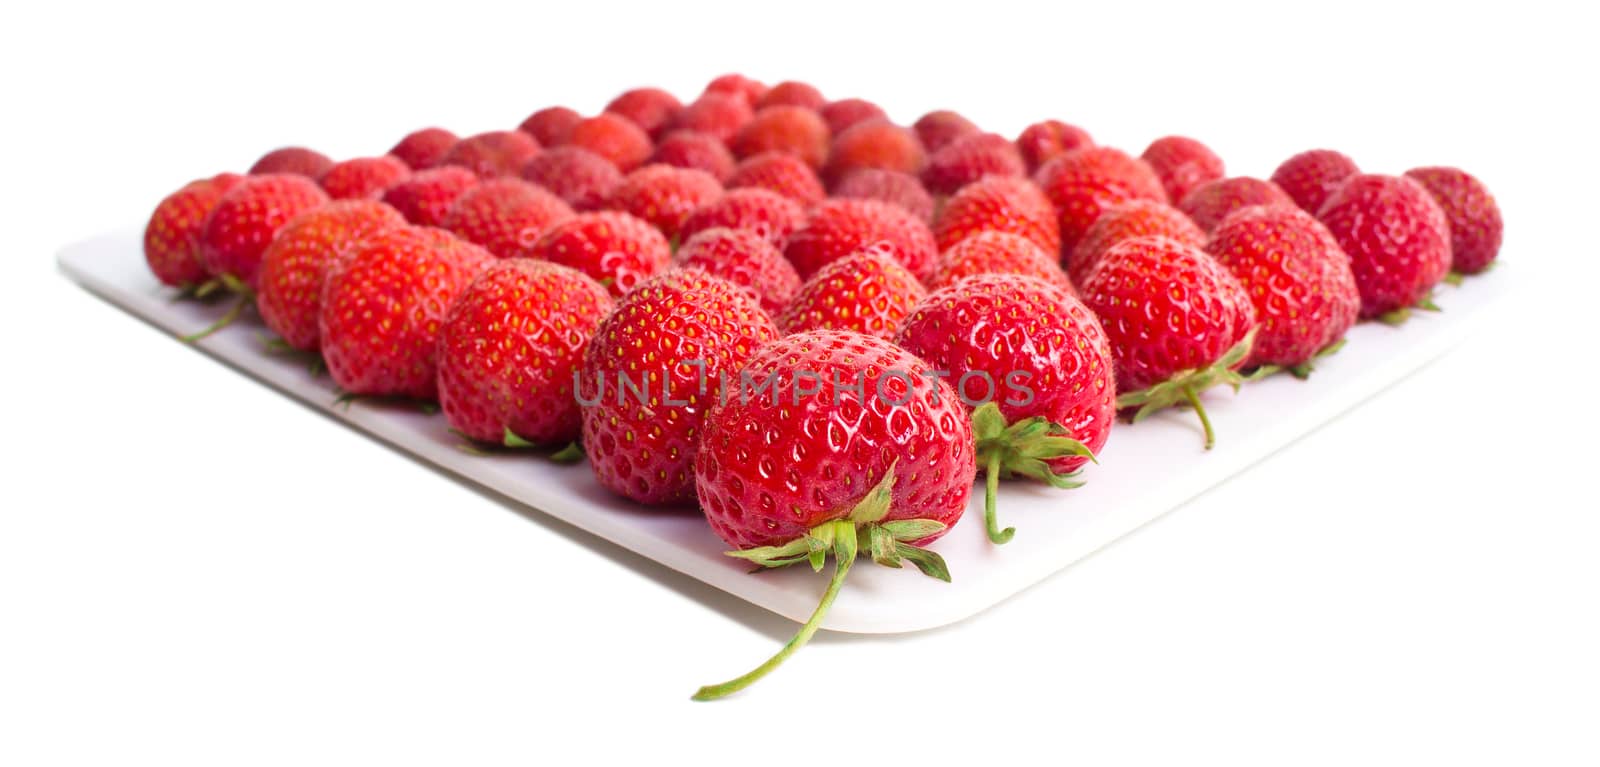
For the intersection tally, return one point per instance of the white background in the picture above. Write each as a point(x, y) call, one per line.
point(195, 570)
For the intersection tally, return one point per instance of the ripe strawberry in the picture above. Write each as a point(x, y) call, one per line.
point(745, 259)
point(382, 306)
point(1398, 240)
point(1046, 140)
point(493, 154)
point(970, 158)
point(613, 137)
point(652, 371)
point(1085, 182)
point(664, 195)
point(700, 151)
point(716, 114)
point(1178, 321)
point(893, 187)
point(762, 212)
point(837, 228)
point(1212, 201)
point(867, 291)
point(551, 126)
point(779, 172)
point(296, 160)
point(245, 220)
point(792, 93)
point(426, 197)
point(616, 249)
point(295, 265)
point(738, 85)
point(997, 253)
point(1139, 218)
point(424, 148)
point(795, 130)
point(1474, 216)
point(1296, 276)
point(510, 349)
point(780, 489)
point(940, 127)
point(998, 204)
point(363, 177)
point(844, 113)
point(1182, 164)
point(582, 178)
point(505, 215)
point(652, 109)
point(172, 237)
point(1033, 363)
point(1311, 177)
point(874, 144)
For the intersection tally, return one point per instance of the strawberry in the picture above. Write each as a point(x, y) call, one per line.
point(894, 187)
point(1033, 363)
point(940, 127)
point(505, 215)
point(747, 260)
point(424, 148)
point(796, 130)
point(510, 349)
point(1083, 183)
point(1212, 201)
point(246, 219)
point(1182, 164)
point(837, 228)
point(739, 86)
point(616, 249)
point(1179, 323)
point(172, 237)
point(551, 126)
point(970, 158)
point(1474, 216)
point(295, 265)
point(1044, 141)
point(1310, 177)
point(425, 198)
point(1139, 218)
point(762, 212)
point(296, 160)
point(779, 172)
point(998, 204)
point(652, 109)
point(792, 93)
point(613, 137)
point(652, 371)
point(383, 303)
point(493, 154)
point(874, 144)
point(867, 291)
point(716, 114)
point(844, 113)
point(997, 253)
point(1398, 240)
point(1296, 276)
point(363, 177)
point(700, 151)
point(860, 448)
point(664, 195)
point(582, 178)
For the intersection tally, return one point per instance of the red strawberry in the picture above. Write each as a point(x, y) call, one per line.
point(795, 130)
point(970, 158)
point(652, 109)
point(1311, 177)
point(1474, 216)
point(582, 178)
point(246, 219)
point(295, 265)
point(716, 114)
point(844, 113)
point(779, 172)
point(613, 137)
point(1033, 363)
point(998, 204)
point(866, 291)
point(616, 249)
point(1139, 218)
point(424, 148)
point(700, 151)
point(745, 259)
point(894, 187)
point(837, 228)
point(1085, 182)
point(551, 126)
point(997, 253)
point(1183, 164)
point(664, 195)
point(792, 93)
point(1044, 141)
point(874, 144)
point(296, 160)
point(511, 348)
point(426, 197)
point(861, 449)
point(1298, 279)
point(505, 215)
point(1178, 321)
point(363, 177)
point(172, 238)
point(940, 127)
point(652, 370)
point(765, 213)
point(493, 154)
point(1398, 240)
point(1212, 201)
point(738, 85)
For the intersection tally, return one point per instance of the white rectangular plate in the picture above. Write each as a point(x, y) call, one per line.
point(1144, 472)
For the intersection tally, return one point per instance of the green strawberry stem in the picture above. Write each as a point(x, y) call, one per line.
point(1200, 410)
point(1024, 448)
point(246, 296)
point(1186, 385)
point(991, 489)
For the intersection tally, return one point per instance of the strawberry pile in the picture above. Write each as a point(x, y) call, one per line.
point(812, 324)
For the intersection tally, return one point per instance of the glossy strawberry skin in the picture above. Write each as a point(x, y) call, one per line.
point(295, 265)
point(383, 304)
point(738, 85)
point(582, 178)
point(652, 109)
point(795, 130)
point(970, 158)
point(1046, 140)
point(664, 195)
point(766, 472)
point(765, 213)
point(838, 227)
point(792, 93)
point(617, 250)
point(494, 154)
point(424, 148)
point(426, 197)
point(1397, 237)
point(874, 144)
point(844, 113)
point(1312, 176)
point(1182, 164)
point(865, 292)
point(779, 172)
point(511, 347)
point(1474, 216)
point(997, 253)
point(1296, 276)
point(172, 236)
point(940, 127)
point(1083, 183)
point(697, 151)
point(1139, 218)
point(684, 327)
point(505, 215)
point(747, 260)
point(295, 160)
point(715, 114)
point(363, 178)
point(613, 137)
point(998, 204)
point(1212, 201)
point(893, 187)
point(999, 331)
point(248, 216)
point(551, 126)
